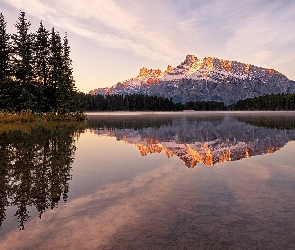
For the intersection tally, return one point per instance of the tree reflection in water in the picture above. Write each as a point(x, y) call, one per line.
point(36, 161)
point(35, 167)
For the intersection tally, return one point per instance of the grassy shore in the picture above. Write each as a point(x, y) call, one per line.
point(29, 116)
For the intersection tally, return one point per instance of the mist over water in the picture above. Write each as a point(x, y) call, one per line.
point(182, 180)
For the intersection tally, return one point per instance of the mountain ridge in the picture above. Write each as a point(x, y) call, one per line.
point(208, 79)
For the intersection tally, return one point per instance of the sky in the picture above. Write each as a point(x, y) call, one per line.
point(111, 40)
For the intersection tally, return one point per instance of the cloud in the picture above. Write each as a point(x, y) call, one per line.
point(109, 23)
point(258, 37)
point(256, 32)
point(95, 220)
point(250, 31)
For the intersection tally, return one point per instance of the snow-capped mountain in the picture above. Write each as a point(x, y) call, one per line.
point(203, 80)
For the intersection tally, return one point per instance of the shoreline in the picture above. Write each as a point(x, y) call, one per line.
point(26, 116)
point(189, 112)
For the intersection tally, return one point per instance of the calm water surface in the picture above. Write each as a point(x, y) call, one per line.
point(188, 180)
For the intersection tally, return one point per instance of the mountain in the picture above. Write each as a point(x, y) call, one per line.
point(208, 79)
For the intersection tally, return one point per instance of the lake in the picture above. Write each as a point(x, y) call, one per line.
point(187, 180)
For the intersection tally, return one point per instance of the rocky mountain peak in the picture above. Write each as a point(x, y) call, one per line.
point(168, 69)
point(190, 59)
point(144, 72)
point(208, 79)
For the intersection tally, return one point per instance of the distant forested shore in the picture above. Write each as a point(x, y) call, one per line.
point(139, 102)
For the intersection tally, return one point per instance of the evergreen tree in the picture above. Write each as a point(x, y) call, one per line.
point(56, 70)
point(35, 70)
point(23, 64)
point(5, 74)
point(66, 89)
point(41, 60)
point(4, 50)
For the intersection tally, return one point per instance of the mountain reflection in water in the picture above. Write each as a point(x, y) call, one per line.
point(200, 139)
point(36, 160)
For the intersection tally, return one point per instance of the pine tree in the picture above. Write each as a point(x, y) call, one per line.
point(56, 70)
point(4, 50)
point(5, 75)
point(23, 63)
point(35, 69)
point(66, 85)
point(41, 65)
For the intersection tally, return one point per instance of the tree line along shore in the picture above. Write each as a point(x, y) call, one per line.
point(140, 102)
